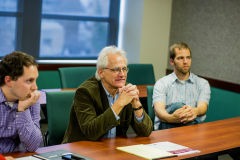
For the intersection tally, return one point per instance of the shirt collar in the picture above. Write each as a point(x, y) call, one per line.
point(2, 97)
point(108, 94)
point(191, 79)
point(174, 78)
point(4, 100)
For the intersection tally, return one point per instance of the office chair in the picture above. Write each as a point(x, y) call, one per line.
point(149, 103)
point(58, 112)
point(72, 77)
point(141, 74)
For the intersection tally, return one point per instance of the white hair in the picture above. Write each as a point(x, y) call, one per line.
point(102, 60)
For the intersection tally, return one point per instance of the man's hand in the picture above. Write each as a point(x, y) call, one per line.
point(126, 95)
point(26, 103)
point(186, 114)
point(9, 158)
point(179, 115)
point(130, 89)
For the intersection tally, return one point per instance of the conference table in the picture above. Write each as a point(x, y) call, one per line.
point(210, 138)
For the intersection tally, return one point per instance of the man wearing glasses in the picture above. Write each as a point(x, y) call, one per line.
point(105, 106)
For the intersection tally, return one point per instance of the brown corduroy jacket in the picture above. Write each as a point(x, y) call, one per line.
point(91, 116)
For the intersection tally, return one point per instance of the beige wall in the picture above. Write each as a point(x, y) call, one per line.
point(155, 34)
point(145, 32)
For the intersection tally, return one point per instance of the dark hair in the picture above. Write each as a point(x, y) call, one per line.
point(180, 46)
point(12, 65)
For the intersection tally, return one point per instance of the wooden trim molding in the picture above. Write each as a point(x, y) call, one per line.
point(43, 67)
point(217, 83)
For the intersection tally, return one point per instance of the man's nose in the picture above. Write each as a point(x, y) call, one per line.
point(34, 86)
point(185, 60)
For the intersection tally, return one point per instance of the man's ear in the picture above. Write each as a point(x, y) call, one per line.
point(171, 61)
point(8, 80)
point(100, 73)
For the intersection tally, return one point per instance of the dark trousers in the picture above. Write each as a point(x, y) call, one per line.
point(164, 125)
point(235, 154)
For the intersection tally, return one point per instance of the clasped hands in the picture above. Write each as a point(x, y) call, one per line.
point(185, 114)
point(31, 99)
point(129, 94)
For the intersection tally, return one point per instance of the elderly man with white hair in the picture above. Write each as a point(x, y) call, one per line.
point(105, 106)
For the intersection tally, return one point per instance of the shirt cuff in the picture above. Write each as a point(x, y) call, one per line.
point(116, 116)
point(140, 119)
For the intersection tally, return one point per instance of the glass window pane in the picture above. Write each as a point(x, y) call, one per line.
point(7, 34)
point(79, 39)
point(8, 5)
point(76, 7)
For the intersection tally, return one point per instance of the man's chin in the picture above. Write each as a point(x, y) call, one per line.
point(120, 85)
point(185, 71)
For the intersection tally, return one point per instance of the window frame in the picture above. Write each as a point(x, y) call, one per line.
point(28, 29)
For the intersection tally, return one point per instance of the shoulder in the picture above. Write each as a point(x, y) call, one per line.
point(2, 98)
point(90, 83)
point(166, 80)
point(199, 80)
point(91, 86)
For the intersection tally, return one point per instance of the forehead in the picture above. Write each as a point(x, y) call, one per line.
point(30, 71)
point(116, 59)
point(182, 52)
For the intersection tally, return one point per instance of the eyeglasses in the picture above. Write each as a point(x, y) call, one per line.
point(118, 69)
